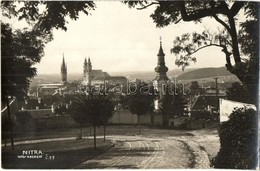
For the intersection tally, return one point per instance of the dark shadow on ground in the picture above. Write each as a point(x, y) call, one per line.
point(62, 159)
point(119, 153)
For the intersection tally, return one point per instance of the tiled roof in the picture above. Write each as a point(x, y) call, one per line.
point(96, 73)
point(203, 101)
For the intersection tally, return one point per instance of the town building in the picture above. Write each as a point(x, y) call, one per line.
point(99, 79)
point(54, 88)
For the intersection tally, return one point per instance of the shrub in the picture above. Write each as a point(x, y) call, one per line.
point(238, 141)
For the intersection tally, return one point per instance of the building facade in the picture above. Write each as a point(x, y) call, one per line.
point(99, 79)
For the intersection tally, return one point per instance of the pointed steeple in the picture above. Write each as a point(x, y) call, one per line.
point(63, 62)
point(85, 62)
point(63, 65)
point(160, 53)
point(89, 68)
point(161, 69)
point(63, 70)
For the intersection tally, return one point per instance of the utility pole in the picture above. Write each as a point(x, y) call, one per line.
point(216, 81)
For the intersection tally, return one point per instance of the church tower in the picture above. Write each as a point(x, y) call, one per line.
point(161, 69)
point(85, 67)
point(87, 72)
point(63, 71)
point(160, 83)
point(161, 79)
point(89, 68)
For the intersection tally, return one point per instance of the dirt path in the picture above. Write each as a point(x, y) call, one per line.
point(146, 152)
point(149, 153)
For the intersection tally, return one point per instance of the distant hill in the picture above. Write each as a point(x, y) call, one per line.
point(149, 75)
point(143, 75)
point(204, 73)
point(188, 75)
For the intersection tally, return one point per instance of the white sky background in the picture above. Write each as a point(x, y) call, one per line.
point(119, 39)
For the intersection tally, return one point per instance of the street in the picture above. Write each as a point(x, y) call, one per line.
point(154, 149)
point(150, 153)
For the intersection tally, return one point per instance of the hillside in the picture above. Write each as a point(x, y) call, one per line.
point(188, 75)
point(132, 75)
point(204, 73)
point(149, 75)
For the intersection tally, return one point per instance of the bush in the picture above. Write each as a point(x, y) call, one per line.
point(238, 141)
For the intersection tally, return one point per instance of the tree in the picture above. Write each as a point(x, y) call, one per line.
point(94, 110)
point(228, 39)
point(104, 108)
point(172, 105)
point(61, 109)
point(46, 15)
point(80, 110)
point(194, 88)
point(238, 92)
point(141, 100)
point(238, 139)
point(21, 49)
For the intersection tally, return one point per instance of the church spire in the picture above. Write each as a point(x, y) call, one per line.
point(85, 62)
point(161, 69)
point(161, 50)
point(63, 70)
point(89, 68)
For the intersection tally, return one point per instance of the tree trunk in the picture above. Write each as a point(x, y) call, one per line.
point(233, 34)
point(95, 137)
point(104, 132)
point(139, 125)
point(10, 122)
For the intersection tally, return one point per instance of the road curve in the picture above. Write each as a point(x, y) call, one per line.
point(149, 153)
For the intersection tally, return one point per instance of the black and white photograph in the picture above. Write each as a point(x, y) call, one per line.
point(146, 84)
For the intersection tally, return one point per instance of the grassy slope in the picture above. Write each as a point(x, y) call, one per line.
point(204, 73)
point(57, 155)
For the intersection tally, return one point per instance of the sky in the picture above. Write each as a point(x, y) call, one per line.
point(120, 39)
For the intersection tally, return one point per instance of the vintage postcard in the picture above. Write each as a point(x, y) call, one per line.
point(129, 84)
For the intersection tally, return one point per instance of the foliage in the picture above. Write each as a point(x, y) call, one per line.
point(141, 101)
point(21, 49)
point(238, 92)
point(51, 99)
point(229, 40)
point(172, 104)
point(46, 15)
point(94, 110)
point(80, 109)
point(238, 139)
point(194, 88)
point(61, 109)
